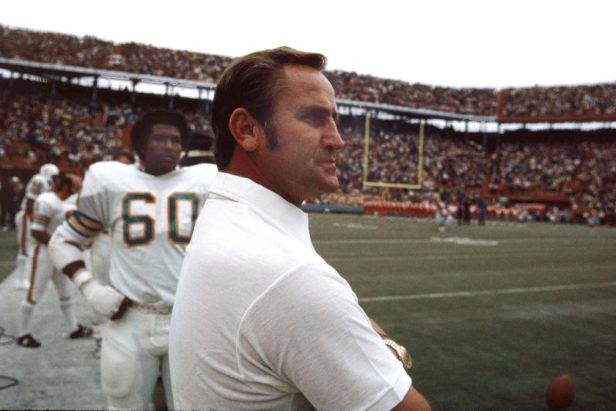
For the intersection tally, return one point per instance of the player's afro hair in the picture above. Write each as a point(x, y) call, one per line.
point(143, 127)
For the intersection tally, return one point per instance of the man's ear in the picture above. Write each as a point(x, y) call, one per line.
point(245, 129)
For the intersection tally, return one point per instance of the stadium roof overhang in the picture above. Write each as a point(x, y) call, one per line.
point(49, 70)
point(414, 112)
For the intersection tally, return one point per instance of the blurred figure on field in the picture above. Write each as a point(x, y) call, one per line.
point(9, 195)
point(50, 211)
point(39, 183)
point(481, 211)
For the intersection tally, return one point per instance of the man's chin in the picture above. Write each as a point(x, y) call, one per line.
point(163, 166)
point(331, 185)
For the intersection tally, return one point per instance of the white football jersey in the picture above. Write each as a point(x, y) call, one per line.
point(98, 257)
point(36, 186)
point(150, 220)
point(50, 212)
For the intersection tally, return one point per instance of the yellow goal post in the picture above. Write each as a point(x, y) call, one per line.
point(383, 184)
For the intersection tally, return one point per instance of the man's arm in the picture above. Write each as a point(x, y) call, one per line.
point(413, 400)
point(399, 351)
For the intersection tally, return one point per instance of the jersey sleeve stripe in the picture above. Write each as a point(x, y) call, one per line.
point(84, 225)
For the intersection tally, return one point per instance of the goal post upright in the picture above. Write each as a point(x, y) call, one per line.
point(366, 146)
point(420, 155)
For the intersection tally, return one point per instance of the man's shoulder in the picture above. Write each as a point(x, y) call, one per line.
point(203, 170)
point(37, 178)
point(104, 168)
point(112, 175)
point(37, 183)
point(197, 178)
point(48, 203)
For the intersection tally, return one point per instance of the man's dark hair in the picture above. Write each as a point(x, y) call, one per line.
point(143, 127)
point(62, 181)
point(252, 82)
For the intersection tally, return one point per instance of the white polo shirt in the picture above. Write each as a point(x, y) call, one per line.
point(261, 321)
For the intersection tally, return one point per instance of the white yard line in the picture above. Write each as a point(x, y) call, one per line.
point(441, 256)
point(476, 293)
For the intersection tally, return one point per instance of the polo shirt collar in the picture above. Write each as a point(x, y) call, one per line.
point(278, 211)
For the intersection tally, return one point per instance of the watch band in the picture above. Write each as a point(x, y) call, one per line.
point(401, 353)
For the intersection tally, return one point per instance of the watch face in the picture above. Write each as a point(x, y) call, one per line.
point(401, 353)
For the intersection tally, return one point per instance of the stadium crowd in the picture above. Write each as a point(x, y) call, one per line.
point(454, 170)
point(591, 102)
point(68, 131)
point(597, 101)
point(72, 132)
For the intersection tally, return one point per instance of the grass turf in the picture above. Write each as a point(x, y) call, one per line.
point(490, 314)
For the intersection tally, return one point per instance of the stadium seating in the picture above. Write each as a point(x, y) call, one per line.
point(589, 102)
point(69, 128)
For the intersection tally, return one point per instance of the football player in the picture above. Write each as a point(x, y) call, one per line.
point(39, 183)
point(50, 211)
point(149, 209)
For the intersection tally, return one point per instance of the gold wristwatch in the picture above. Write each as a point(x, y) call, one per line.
point(400, 352)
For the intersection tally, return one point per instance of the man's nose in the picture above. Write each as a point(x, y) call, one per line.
point(332, 138)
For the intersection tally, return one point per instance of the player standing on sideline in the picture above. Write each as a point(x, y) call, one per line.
point(50, 211)
point(261, 321)
point(39, 183)
point(149, 209)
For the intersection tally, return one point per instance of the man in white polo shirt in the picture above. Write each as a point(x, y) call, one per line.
point(261, 321)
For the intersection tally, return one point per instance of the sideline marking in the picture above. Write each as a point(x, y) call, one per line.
point(489, 292)
point(373, 241)
point(358, 226)
point(463, 241)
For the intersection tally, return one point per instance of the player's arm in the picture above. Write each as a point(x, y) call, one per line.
point(29, 208)
point(40, 220)
point(413, 400)
point(34, 188)
point(65, 250)
point(68, 241)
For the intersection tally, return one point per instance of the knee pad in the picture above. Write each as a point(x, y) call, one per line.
point(118, 367)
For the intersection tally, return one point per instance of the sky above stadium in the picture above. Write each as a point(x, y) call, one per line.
point(463, 43)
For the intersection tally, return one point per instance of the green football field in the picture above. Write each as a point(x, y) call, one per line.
point(490, 314)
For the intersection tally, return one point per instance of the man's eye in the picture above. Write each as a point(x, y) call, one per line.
point(314, 119)
point(309, 118)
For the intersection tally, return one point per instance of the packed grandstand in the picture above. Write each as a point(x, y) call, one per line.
point(557, 174)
